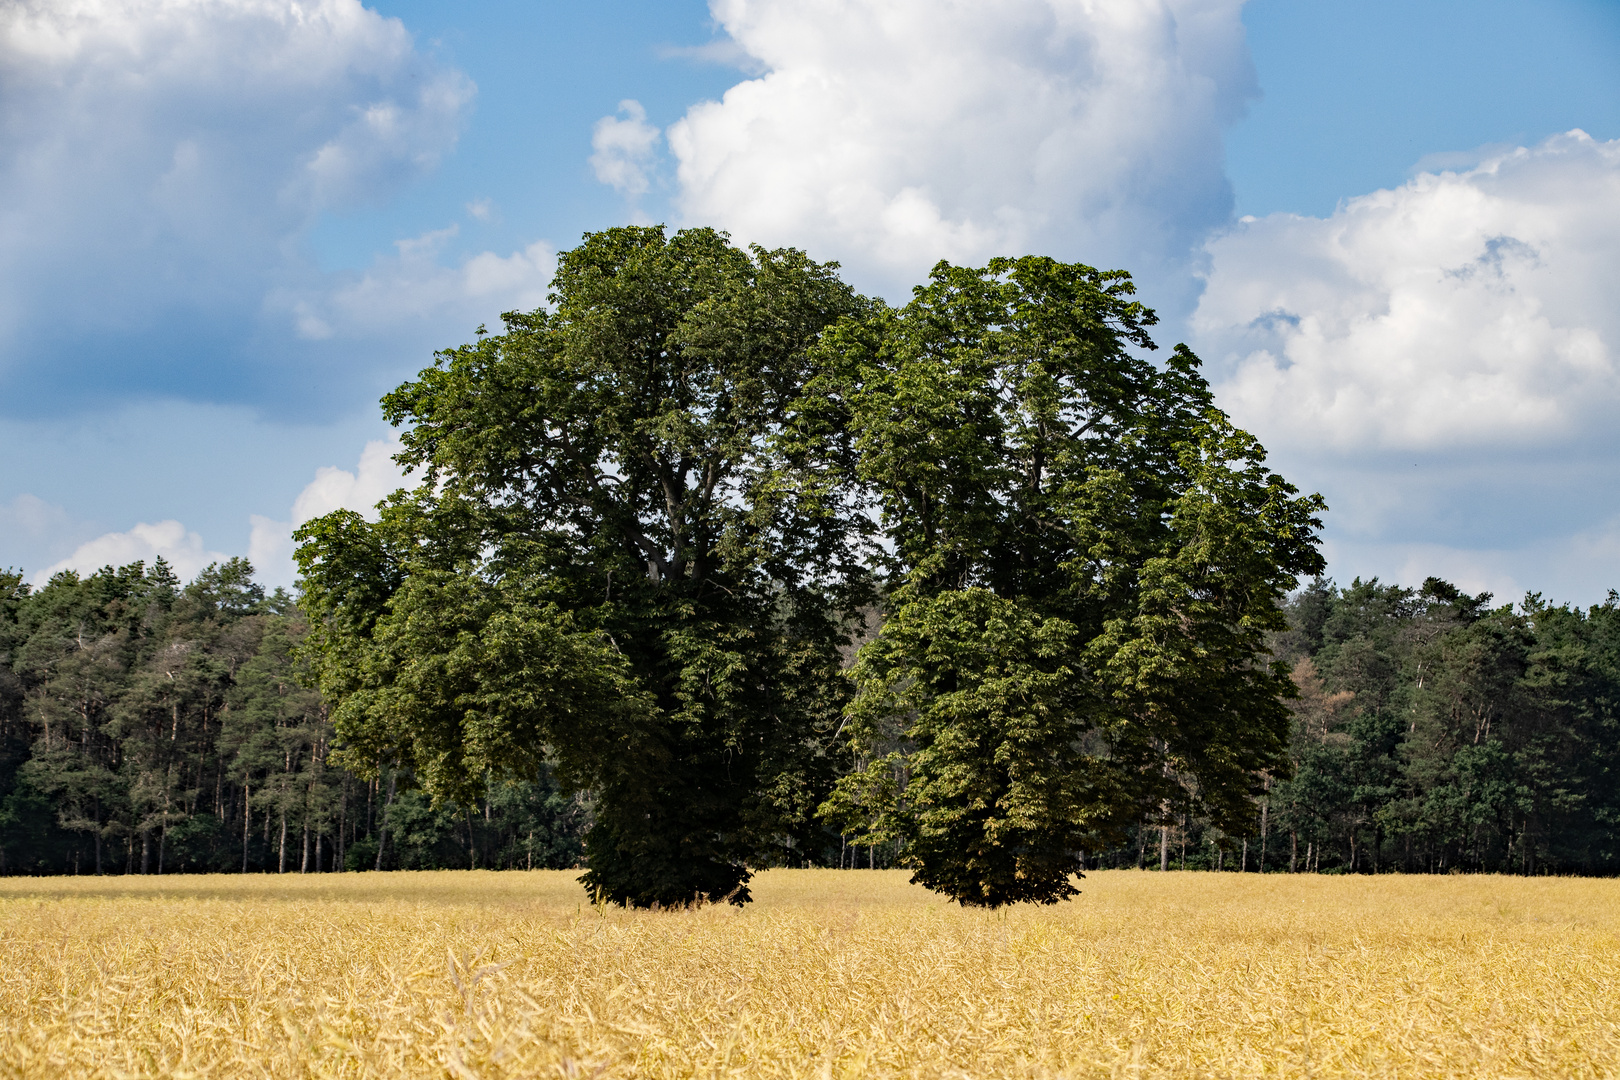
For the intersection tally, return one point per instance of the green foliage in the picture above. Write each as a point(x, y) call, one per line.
point(602, 565)
point(1434, 731)
point(997, 783)
point(614, 624)
point(636, 549)
point(1085, 560)
point(128, 691)
point(147, 727)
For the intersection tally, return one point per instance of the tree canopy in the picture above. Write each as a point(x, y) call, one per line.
point(653, 520)
point(148, 726)
point(1085, 560)
point(724, 566)
point(602, 565)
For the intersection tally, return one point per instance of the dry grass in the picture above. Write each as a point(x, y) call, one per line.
point(827, 974)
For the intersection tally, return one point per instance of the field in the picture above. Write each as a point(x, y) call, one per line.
point(829, 974)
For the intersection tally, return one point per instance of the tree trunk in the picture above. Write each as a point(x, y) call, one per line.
point(281, 853)
point(303, 861)
point(163, 833)
point(382, 831)
point(1243, 868)
point(1265, 825)
point(146, 851)
point(1164, 848)
point(247, 820)
point(340, 848)
point(1293, 849)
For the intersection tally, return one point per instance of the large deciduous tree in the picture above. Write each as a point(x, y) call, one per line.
point(629, 553)
point(1085, 558)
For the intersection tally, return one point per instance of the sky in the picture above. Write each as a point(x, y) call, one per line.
point(1392, 231)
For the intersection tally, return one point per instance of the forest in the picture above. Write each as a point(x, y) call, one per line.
point(154, 727)
point(714, 564)
point(1432, 733)
point(149, 726)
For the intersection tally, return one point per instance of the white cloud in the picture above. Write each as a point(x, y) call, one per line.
point(375, 477)
point(892, 133)
point(270, 550)
point(723, 53)
point(1462, 309)
point(1442, 361)
point(624, 149)
point(1576, 567)
point(413, 287)
point(327, 97)
point(160, 161)
point(168, 540)
point(34, 532)
point(34, 518)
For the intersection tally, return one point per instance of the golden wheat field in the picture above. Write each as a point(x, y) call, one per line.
point(828, 974)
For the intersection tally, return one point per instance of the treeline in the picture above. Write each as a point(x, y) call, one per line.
point(152, 727)
point(650, 520)
point(1433, 733)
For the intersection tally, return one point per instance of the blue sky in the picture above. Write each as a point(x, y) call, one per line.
point(230, 226)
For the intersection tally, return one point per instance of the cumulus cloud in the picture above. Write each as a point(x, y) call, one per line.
point(34, 531)
point(375, 477)
point(164, 85)
point(1498, 571)
point(892, 133)
point(270, 550)
point(1575, 567)
point(623, 148)
point(1468, 308)
point(160, 164)
point(413, 287)
point(1442, 361)
point(29, 524)
point(146, 543)
point(34, 518)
